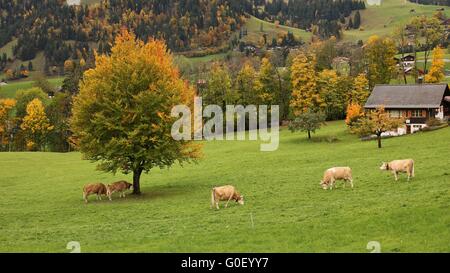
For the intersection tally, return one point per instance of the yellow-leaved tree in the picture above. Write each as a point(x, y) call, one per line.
point(436, 73)
point(36, 126)
point(122, 114)
point(304, 85)
point(360, 92)
point(266, 83)
point(6, 121)
point(379, 54)
point(246, 85)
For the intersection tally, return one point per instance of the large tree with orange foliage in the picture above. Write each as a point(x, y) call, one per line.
point(122, 115)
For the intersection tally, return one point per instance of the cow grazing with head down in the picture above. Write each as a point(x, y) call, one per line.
point(337, 173)
point(120, 187)
point(399, 166)
point(99, 189)
point(225, 193)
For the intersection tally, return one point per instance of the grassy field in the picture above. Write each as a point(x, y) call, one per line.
point(285, 210)
point(9, 91)
point(382, 20)
point(180, 59)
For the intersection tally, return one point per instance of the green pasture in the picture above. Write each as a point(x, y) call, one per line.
point(41, 207)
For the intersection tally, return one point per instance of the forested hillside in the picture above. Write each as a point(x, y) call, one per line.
point(63, 32)
point(432, 2)
point(324, 17)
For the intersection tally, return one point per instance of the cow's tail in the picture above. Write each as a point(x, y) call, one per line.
point(213, 200)
point(412, 171)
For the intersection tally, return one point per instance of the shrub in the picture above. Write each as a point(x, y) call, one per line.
point(432, 122)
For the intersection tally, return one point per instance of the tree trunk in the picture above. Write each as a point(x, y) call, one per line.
point(309, 134)
point(136, 181)
point(379, 141)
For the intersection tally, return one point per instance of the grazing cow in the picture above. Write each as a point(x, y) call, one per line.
point(337, 173)
point(399, 166)
point(99, 189)
point(120, 187)
point(225, 193)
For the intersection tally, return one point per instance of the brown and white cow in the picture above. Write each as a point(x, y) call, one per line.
point(119, 186)
point(225, 193)
point(399, 166)
point(337, 173)
point(99, 189)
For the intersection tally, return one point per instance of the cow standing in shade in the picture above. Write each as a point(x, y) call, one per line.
point(120, 187)
point(399, 166)
point(225, 193)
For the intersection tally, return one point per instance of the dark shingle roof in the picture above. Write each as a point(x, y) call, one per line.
point(407, 96)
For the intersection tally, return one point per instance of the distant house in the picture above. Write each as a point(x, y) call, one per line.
point(407, 62)
point(416, 103)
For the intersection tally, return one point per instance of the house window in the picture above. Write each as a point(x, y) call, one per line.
point(394, 113)
point(416, 113)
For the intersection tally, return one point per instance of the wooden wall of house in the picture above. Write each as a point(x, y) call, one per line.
point(408, 113)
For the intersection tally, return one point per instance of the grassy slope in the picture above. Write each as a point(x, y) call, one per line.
point(42, 210)
point(253, 26)
point(200, 60)
point(382, 20)
point(8, 48)
point(9, 91)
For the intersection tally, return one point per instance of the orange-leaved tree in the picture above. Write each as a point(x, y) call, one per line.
point(354, 113)
point(122, 115)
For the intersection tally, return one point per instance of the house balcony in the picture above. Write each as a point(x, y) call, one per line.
point(416, 120)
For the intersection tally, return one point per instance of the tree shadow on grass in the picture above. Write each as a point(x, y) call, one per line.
point(161, 191)
point(315, 139)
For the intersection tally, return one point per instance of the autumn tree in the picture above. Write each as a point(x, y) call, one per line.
point(24, 97)
point(41, 82)
point(308, 121)
point(360, 92)
point(122, 114)
point(333, 99)
point(266, 83)
point(304, 84)
point(245, 85)
point(58, 112)
point(220, 88)
point(379, 54)
point(36, 125)
point(6, 121)
point(436, 73)
point(326, 51)
point(354, 113)
point(377, 122)
point(427, 32)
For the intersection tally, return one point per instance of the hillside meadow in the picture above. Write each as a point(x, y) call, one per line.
point(10, 90)
point(383, 19)
point(41, 207)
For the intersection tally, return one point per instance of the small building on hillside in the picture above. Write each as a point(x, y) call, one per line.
point(416, 103)
point(407, 62)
